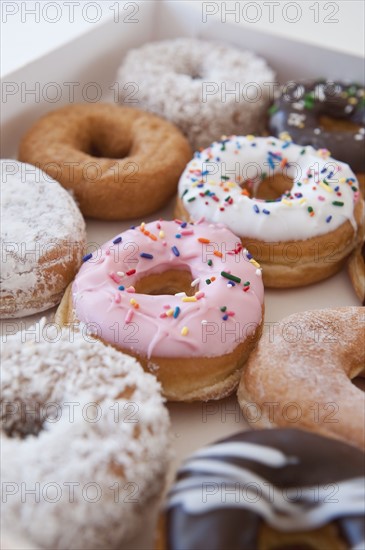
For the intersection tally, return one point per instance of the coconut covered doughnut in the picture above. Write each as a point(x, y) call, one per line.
point(120, 162)
point(303, 367)
point(84, 427)
point(297, 210)
point(206, 88)
point(324, 114)
point(42, 240)
point(268, 489)
point(185, 299)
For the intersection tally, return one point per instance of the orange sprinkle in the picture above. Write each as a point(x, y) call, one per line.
point(245, 192)
point(212, 279)
point(217, 253)
point(152, 236)
point(204, 241)
point(283, 163)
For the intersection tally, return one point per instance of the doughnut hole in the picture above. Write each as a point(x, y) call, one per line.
point(331, 124)
point(105, 140)
point(269, 188)
point(21, 418)
point(169, 282)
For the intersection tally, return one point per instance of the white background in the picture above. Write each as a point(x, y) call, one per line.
point(25, 36)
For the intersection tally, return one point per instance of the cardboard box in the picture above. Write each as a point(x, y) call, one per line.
point(88, 65)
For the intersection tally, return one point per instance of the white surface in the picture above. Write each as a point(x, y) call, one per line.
point(30, 29)
point(95, 56)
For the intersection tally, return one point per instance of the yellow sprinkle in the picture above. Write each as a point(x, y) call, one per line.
point(253, 262)
point(342, 180)
point(132, 301)
point(250, 137)
point(285, 201)
point(161, 234)
point(184, 331)
point(326, 187)
point(302, 201)
point(189, 299)
point(169, 312)
point(285, 136)
point(194, 184)
point(142, 226)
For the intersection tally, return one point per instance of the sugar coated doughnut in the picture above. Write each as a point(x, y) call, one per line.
point(296, 209)
point(85, 429)
point(42, 240)
point(205, 88)
point(282, 488)
point(324, 114)
point(185, 299)
point(120, 162)
point(304, 367)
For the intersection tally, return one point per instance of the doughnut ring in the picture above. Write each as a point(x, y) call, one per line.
point(206, 88)
point(304, 368)
point(265, 489)
point(324, 114)
point(185, 299)
point(120, 163)
point(42, 240)
point(85, 429)
point(356, 269)
point(297, 210)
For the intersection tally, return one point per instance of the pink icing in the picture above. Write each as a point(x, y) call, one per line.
point(145, 324)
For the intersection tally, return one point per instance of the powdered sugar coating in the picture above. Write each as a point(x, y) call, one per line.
point(206, 88)
point(42, 228)
point(123, 454)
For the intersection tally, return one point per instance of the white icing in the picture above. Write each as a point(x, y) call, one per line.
point(37, 215)
point(130, 448)
point(289, 218)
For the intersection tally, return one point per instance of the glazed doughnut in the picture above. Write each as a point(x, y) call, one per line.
point(304, 367)
point(185, 299)
point(297, 210)
point(84, 424)
point(268, 489)
point(42, 240)
point(324, 114)
point(356, 268)
point(205, 88)
point(120, 162)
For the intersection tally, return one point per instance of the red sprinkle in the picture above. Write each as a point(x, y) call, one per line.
point(130, 272)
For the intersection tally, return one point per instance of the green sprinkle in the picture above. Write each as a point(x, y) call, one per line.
point(273, 109)
point(337, 203)
point(263, 175)
point(208, 281)
point(227, 198)
point(210, 263)
point(184, 193)
point(223, 309)
point(191, 199)
point(230, 277)
point(354, 188)
point(225, 178)
point(302, 151)
point(310, 209)
point(247, 283)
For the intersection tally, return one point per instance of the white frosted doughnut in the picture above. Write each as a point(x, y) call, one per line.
point(99, 424)
point(206, 88)
point(42, 239)
point(300, 235)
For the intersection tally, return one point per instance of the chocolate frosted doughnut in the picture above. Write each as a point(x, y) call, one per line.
point(303, 108)
point(268, 489)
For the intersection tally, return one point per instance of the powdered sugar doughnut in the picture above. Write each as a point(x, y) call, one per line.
point(206, 88)
point(42, 239)
point(84, 427)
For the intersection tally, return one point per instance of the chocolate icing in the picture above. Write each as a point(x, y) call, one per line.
point(299, 106)
point(290, 459)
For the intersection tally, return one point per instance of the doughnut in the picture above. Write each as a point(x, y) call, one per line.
point(120, 163)
point(356, 269)
point(185, 299)
point(301, 374)
point(324, 114)
point(266, 489)
point(85, 428)
point(296, 209)
point(42, 240)
point(205, 88)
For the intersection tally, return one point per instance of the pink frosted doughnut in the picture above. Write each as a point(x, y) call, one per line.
point(186, 299)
